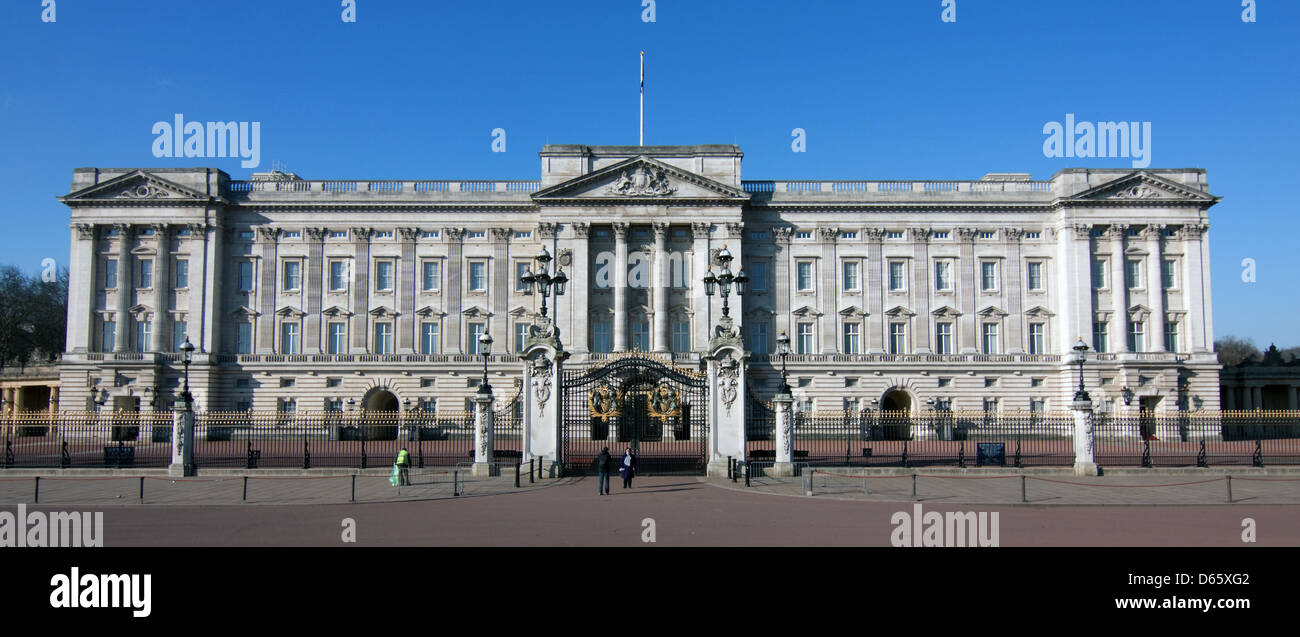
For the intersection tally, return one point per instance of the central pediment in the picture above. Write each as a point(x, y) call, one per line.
point(641, 180)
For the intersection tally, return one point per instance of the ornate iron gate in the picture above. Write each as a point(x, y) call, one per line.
point(640, 401)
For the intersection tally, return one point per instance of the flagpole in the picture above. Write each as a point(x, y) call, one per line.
point(641, 140)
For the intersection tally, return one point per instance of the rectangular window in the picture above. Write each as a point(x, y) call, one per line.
point(1136, 338)
point(108, 339)
point(641, 336)
point(897, 338)
point(805, 338)
point(990, 405)
point(851, 275)
point(338, 234)
point(110, 274)
point(475, 330)
point(852, 338)
point(758, 334)
point(1168, 274)
point(146, 273)
point(383, 234)
point(182, 273)
point(338, 276)
point(338, 338)
point(1098, 274)
point(943, 338)
point(383, 338)
point(1133, 274)
point(988, 276)
point(245, 276)
point(991, 338)
point(804, 270)
point(942, 275)
point(1036, 406)
point(478, 276)
point(180, 329)
point(1035, 275)
point(897, 276)
point(292, 275)
point(431, 276)
point(521, 336)
point(289, 339)
point(384, 276)
point(682, 336)
point(244, 338)
point(758, 276)
point(1036, 338)
point(142, 334)
point(521, 268)
point(849, 234)
point(1100, 342)
point(803, 234)
point(894, 234)
point(1171, 337)
point(429, 338)
point(600, 338)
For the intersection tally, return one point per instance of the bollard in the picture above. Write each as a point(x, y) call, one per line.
point(455, 483)
point(36, 498)
point(245, 497)
point(142, 490)
point(913, 484)
point(517, 464)
point(1229, 487)
point(731, 471)
point(808, 483)
point(530, 471)
point(746, 474)
point(1022, 489)
point(864, 483)
point(354, 487)
point(541, 462)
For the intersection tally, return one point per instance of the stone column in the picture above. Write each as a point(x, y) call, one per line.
point(1118, 328)
point(964, 283)
point(1156, 284)
point(499, 289)
point(1196, 288)
point(483, 434)
point(726, 377)
point(1075, 287)
point(405, 294)
point(620, 287)
point(543, 369)
point(162, 286)
point(182, 443)
point(1084, 461)
point(125, 281)
point(922, 326)
point(267, 287)
point(660, 283)
point(1017, 333)
point(454, 283)
point(1292, 397)
point(315, 281)
point(579, 291)
point(828, 292)
point(1257, 397)
point(784, 465)
point(1230, 398)
point(701, 304)
point(205, 293)
point(83, 283)
point(360, 290)
point(875, 271)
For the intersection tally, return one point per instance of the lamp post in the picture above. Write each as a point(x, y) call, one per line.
point(725, 280)
point(485, 348)
point(1080, 348)
point(543, 281)
point(187, 357)
point(783, 349)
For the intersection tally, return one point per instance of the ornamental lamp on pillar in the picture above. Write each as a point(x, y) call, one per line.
point(485, 348)
point(187, 357)
point(783, 349)
point(1080, 348)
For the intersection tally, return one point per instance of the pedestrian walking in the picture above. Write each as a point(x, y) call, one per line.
point(403, 465)
point(603, 461)
point(627, 469)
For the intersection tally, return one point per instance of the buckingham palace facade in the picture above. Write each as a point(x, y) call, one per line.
point(305, 295)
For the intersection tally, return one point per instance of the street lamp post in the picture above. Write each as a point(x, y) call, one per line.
point(543, 281)
point(1080, 348)
point(485, 348)
point(783, 349)
point(187, 357)
point(725, 280)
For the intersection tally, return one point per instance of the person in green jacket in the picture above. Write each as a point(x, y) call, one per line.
point(403, 466)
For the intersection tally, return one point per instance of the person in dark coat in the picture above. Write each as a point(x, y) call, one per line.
point(627, 468)
point(603, 461)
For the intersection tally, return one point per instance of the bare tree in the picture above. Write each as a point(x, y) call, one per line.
point(1234, 351)
point(33, 316)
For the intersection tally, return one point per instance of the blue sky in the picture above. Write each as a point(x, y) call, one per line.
point(884, 89)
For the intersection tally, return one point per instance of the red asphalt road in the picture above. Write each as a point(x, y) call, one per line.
point(686, 512)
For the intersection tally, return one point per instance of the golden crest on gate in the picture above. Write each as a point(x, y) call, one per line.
point(664, 403)
point(604, 403)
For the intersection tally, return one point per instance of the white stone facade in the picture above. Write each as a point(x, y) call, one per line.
point(306, 295)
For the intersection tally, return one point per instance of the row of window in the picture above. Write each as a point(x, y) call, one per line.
point(944, 341)
point(143, 336)
point(851, 279)
point(1135, 274)
point(144, 270)
point(1137, 340)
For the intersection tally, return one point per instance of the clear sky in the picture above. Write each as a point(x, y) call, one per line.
point(884, 88)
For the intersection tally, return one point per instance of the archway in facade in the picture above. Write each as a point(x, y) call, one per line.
point(381, 415)
point(896, 415)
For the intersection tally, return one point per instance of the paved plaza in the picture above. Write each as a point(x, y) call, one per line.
point(1165, 509)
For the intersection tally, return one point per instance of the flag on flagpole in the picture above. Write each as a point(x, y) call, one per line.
point(643, 71)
